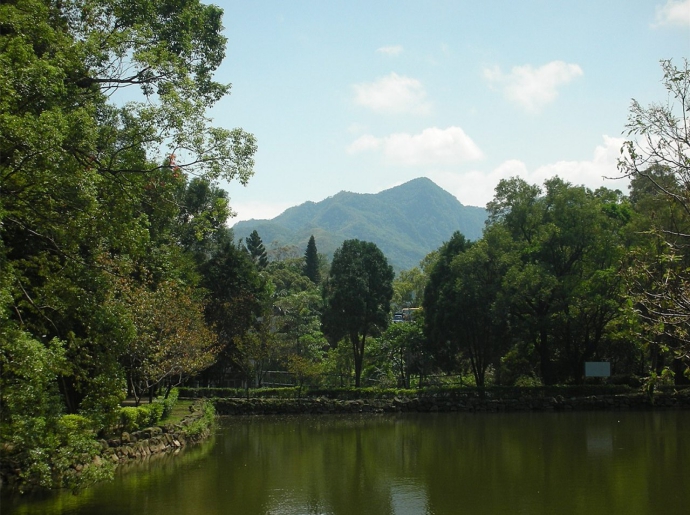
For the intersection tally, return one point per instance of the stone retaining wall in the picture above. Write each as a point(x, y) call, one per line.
point(430, 404)
point(153, 440)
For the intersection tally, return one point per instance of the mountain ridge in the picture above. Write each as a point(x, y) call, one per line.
point(406, 222)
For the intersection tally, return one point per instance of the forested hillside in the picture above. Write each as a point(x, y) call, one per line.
point(406, 222)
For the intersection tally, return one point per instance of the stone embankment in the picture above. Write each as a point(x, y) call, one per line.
point(154, 440)
point(236, 406)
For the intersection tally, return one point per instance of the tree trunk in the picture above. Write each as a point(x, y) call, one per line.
point(358, 351)
point(545, 358)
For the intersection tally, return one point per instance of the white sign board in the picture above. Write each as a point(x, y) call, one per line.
point(597, 369)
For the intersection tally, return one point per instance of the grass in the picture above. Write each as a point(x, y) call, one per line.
point(180, 411)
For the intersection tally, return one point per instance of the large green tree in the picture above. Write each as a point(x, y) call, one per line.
point(239, 295)
point(440, 298)
point(479, 317)
point(564, 285)
point(357, 296)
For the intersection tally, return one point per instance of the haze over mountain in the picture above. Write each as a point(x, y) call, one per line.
point(406, 222)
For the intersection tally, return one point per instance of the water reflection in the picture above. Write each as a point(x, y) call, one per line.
point(599, 440)
point(566, 463)
point(408, 498)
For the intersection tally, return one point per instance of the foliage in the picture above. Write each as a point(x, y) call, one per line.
point(256, 250)
point(357, 296)
point(255, 350)
point(238, 296)
point(37, 439)
point(223, 393)
point(408, 289)
point(401, 351)
point(562, 288)
point(103, 234)
point(203, 423)
point(440, 328)
point(657, 159)
point(168, 402)
point(311, 261)
point(479, 314)
point(129, 418)
point(172, 341)
point(338, 365)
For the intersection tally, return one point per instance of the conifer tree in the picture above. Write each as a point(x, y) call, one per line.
point(311, 262)
point(256, 249)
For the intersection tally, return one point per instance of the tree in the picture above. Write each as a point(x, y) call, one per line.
point(408, 289)
point(257, 251)
point(401, 348)
point(255, 349)
point(480, 318)
point(357, 296)
point(171, 340)
point(563, 286)
point(657, 159)
point(440, 327)
point(296, 319)
point(311, 262)
point(238, 296)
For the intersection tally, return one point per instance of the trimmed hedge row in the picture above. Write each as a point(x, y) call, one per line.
point(146, 415)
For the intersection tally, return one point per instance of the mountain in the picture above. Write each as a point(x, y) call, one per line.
point(406, 222)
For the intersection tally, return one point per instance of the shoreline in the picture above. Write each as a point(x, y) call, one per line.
point(128, 448)
point(316, 406)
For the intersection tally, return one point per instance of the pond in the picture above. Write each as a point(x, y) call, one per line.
point(434, 464)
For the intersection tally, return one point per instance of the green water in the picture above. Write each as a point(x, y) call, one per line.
point(548, 463)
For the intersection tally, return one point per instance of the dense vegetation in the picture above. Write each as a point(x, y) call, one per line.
point(110, 218)
point(119, 277)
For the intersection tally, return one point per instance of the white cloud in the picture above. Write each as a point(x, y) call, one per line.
point(364, 143)
point(256, 210)
point(533, 88)
point(432, 146)
point(393, 94)
point(476, 188)
point(390, 50)
point(674, 12)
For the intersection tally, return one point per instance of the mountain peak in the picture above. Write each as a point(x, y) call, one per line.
point(406, 222)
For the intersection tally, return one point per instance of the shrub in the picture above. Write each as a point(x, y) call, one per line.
point(204, 422)
point(128, 419)
point(168, 403)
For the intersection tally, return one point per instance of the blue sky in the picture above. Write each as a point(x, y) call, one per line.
point(363, 96)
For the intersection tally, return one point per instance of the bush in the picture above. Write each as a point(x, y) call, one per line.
point(128, 419)
point(168, 403)
point(146, 415)
point(149, 414)
point(229, 393)
point(528, 381)
point(205, 421)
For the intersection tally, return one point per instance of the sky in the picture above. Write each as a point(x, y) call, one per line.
point(362, 96)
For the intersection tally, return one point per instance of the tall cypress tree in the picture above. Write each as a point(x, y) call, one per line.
point(257, 250)
point(311, 262)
